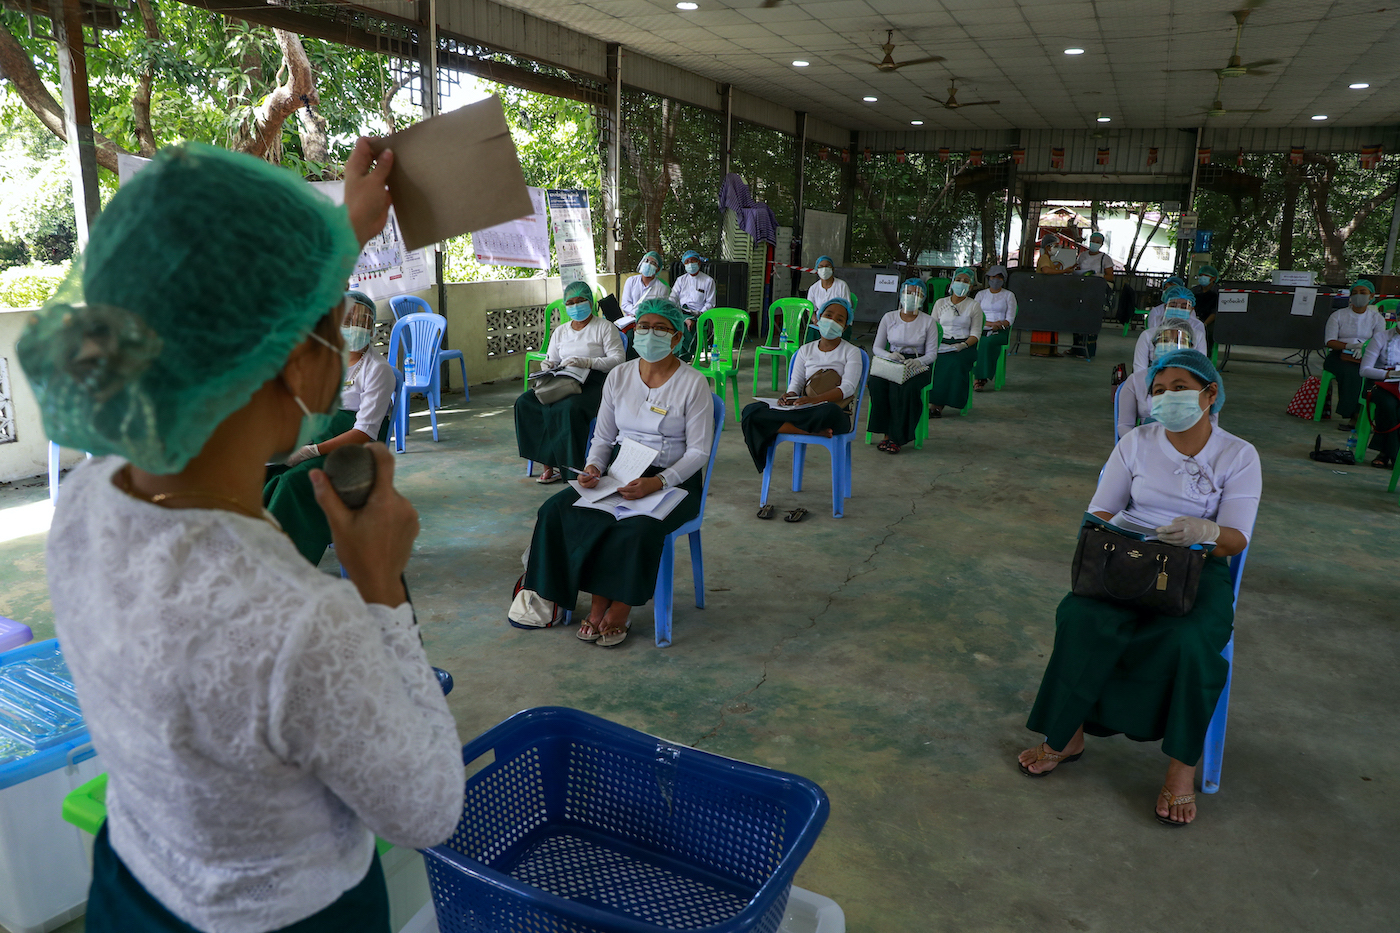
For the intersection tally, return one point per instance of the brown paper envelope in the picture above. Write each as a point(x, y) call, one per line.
point(455, 173)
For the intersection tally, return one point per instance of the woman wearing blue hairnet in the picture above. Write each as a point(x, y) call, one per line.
point(960, 321)
point(363, 417)
point(661, 404)
point(909, 337)
point(260, 721)
point(1115, 668)
point(588, 345)
point(1155, 315)
point(694, 294)
point(1134, 396)
point(1348, 330)
point(1178, 308)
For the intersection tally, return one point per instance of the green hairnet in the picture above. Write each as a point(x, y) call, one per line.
point(1210, 271)
point(650, 254)
point(664, 307)
point(1366, 284)
point(579, 289)
point(1196, 363)
point(967, 271)
point(200, 277)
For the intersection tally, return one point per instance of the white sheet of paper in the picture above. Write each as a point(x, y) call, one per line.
point(886, 283)
point(607, 486)
point(773, 403)
point(1233, 301)
point(631, 461)
point(1303, 300)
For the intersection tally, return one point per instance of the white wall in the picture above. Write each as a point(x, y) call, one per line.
point(29, 454)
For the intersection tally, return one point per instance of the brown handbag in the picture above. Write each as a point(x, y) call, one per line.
point(1148, 575)
point(823, 381)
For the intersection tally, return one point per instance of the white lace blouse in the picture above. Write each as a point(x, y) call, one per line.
point(259, 722)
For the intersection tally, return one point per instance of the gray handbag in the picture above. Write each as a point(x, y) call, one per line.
point(550, 389)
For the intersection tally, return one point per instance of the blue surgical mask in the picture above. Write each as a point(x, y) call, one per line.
point(961, 289)
point(692, 267)
point(653, 346)
point(1205, 280)
point(1178, 411)
point(830, 329)
point(1095, 247)
point(648, 269)
point(356, 338)
point(1177, 313)
point(314, 424)
point(1360, 301)
point(581, 311)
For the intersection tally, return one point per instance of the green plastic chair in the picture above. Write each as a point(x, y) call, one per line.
point(553, 314)
point(722, 352)
point(999, 380)
point(1325, 386)
point(1388, 305)
point(1137, 313)
point(938, 288)
point(921, 430)
point(779, 311)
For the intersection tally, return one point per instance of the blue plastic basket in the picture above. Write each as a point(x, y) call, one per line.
point(580, 824)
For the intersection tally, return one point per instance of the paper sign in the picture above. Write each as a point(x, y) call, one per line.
point(572, 224)
point(128, 165)
point(386, 267)
point(1233, 301)
point(886, 283)
point(1303, 301)
point(523, 243)
point(455, 173)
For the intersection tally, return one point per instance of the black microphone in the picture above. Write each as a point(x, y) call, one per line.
point(351, 472)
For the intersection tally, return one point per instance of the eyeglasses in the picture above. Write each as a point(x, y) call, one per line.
point(575, 304)
point(643, 329)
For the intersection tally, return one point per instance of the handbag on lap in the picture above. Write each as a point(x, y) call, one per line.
point(550, 389)
point(823, 381)
point(1149, 575)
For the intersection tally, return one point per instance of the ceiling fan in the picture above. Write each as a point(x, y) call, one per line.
point(952, 102)
point(1236, 67)
point(888, 64)
point(1217, 109)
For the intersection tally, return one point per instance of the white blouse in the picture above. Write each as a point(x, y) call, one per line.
point(1135, 404)
point(1381, 356)
point(259, 722)
point(1142, 350)
point(694, 293)
point(845, 358)
point(1354, 329)
point(959, 321)
point(997, 306)
point(634, 292)
point(598, 342)
point(819, 294)
point(676, 418)
point(917, 338)
point(370, 390)
point(1149, 482)
point(1094, 262)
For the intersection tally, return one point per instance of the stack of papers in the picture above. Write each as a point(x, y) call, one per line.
point(631, 462)
point(773, 403)
point(573, 372)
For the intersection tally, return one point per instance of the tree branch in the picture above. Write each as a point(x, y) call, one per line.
point(1367, 209)
point(384, 109)
point(141, 97)
point(262, 131)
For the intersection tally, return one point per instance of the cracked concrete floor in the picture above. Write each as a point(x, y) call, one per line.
point(892, 656)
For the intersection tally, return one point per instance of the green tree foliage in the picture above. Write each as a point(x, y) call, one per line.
point(902, 210)
point(36, 193)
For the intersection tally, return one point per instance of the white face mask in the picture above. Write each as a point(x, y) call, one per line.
point(1178, 411)
point(830, 329)
point(692, 267)
point(1095, 247)
point(825, 273)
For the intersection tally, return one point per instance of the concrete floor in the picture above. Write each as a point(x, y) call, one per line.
point(892, 656)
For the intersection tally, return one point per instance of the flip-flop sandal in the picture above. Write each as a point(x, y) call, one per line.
point(1172, 801)
point(796, 515)
point(554, 477)
point(585, 635)
point(765, 512)
point(1043, 753)
point(935, 413)
point(613, 639)
point(1381, 463)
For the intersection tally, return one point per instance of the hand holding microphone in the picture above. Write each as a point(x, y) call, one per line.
point(373, 526)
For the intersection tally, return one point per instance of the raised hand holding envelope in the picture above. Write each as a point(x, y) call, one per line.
point(455, 173)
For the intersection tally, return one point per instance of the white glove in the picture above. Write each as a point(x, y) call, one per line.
point(577, 362)
point(897, 357)
point(303, 455)
point(1185, 531)
point(547, 365)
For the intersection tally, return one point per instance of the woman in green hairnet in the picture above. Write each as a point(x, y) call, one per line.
point(363, 417)
point(260, 721)
point(588, 346)
point(663, 406)
point(960, 317)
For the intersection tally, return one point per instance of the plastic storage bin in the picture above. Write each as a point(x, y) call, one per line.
point(13, 634)
point(44, 754)
point(579, 824)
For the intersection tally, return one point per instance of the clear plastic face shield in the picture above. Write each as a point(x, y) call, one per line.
point(357, 315)
point(1170, 339)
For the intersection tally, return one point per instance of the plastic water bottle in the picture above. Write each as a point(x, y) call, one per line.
point(410, 369)
point(1351, 443)
point(783, 339)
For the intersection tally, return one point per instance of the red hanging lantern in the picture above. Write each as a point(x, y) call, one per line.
point(975, 157)
point(1057, 158)
point(1203, 155)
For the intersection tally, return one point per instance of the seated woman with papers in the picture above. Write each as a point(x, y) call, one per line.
point(905, 348)
point(821, 392)
point(1119, 667)
point(643, 479)
point(1381, 363)
point(585, 350)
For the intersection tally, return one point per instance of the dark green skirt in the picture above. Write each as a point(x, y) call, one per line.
point(118, 903)
point(557, 434)
point(760, 425)
point(586, 550)
point(1348, 376)
point(896, 409)
point(289, 496)
point(1116, 669)
point(950, 378)
point(989, 351)
point(1386, 437)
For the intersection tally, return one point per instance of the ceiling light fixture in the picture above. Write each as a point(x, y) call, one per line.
point(1103, 119)
point(870, 100)
point(1359, 86)
point(1074, 51)
point(1319, 116)
point(687, 6)
point(916, 122)
point(800, 64)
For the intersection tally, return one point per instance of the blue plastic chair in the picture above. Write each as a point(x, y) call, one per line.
point(1214, 750)
point(409, 304)
point(666, 576)
point(398, 424)
point(420, 335)
point(840, 447)
point(1116, 393)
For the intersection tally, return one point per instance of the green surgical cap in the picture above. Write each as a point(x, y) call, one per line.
point(967, 271)
point(1194, 362)
point(1210, 271)
point(579, 289)
point(200, 277)
point(664, 307)
point(1366, 284)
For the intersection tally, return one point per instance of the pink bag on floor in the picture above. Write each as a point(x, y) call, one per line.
point(1304, 402)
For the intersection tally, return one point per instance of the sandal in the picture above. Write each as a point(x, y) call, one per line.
point(980, 385)
point(883, 445)
point(1043, 753)
point(1172, 801)
point(1381, 463)
point(796, 515)
point(935, 413)
point(550, 475)
point(892, 448)
point(613, 639)
point(765, 511)
point(587, 631)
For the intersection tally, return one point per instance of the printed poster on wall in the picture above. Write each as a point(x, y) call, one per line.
point(572, 224)
point(523, 243)
point(386, 267)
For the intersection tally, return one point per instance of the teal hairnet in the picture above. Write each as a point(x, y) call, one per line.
point(691, 254)
point(362, 298)
point(1174, 280)
point(200, 277)
point(1210, 271)
point(1181, 293)
point(664, 307)
point(1366, 284)
point(923, 287)
point(821, 259)
point(654, 256)
point(850, 315)
point(1196, 363)
point(579, 289)
point(965, 270)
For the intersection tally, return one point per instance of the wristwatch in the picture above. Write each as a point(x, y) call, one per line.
point(662, 477)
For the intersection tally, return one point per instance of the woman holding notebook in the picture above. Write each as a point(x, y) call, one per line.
point(661, 406)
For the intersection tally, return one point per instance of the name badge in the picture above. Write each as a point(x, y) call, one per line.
point(659, 410)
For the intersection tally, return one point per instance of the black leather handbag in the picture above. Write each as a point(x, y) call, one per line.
point(1148, 575)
